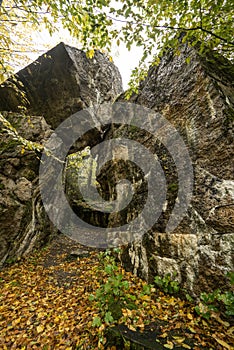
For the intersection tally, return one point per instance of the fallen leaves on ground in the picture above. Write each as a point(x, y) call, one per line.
point(48, 307)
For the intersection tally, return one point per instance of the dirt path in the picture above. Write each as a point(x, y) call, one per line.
point(45, 304)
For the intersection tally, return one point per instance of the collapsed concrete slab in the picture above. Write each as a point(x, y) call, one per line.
point(61, 82)
point(195, 94)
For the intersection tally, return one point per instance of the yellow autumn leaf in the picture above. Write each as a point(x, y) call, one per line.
point(90, 53)
point(164, 335)
point(171, 301)
point(146, 298)
point(40, 329)
point(189, 316)
point(15, 322)
point(230, 331)
point(186, 346)
point(223, 343)
point(169, 345)
point(204, 323)
point(101, 328)
point(179, 339)
point(131, 328)
point(165, 317)
point(217, 317)
point(192, 329)
point(127, 312)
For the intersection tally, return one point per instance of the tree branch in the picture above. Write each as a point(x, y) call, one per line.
point(20, 51)
point(217, 36)
point(200, 27)
point(15, 21)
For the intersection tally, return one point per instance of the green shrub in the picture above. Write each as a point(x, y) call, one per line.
point(113, 294)
point(217, 301)
point(167, 284)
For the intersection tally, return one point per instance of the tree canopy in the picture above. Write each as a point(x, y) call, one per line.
point(98, 24)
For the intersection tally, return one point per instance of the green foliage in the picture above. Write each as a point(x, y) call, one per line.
point(7, 127)
point(98, 24)
point(16, 18)
point(188, 297)
point(227, 299)
point(16, 139)
point(173, 187)
point(167, 283)
point(230, 276)
point(217, 301)
point(10, 261)
point(207, 304)
point(80, 170)
point(113, 294)
point(147, 288)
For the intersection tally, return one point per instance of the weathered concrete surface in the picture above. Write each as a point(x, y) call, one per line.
point(23, 222)
point(61, 82)
point(57, 84)
point(197, 98)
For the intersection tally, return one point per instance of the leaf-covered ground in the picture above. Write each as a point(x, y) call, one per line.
point(45, 304)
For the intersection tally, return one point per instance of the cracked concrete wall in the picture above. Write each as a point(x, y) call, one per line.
point(56, 85)
point(197, 98)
